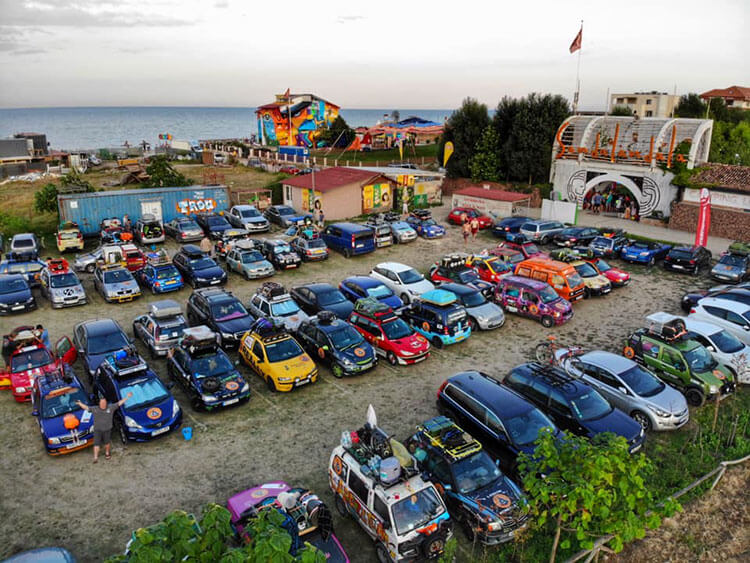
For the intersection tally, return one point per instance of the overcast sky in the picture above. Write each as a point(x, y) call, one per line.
point(384, 54)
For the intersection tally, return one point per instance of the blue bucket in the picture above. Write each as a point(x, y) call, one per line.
point(187, 433)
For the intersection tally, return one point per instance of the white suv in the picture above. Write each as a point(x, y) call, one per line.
point(403, 280)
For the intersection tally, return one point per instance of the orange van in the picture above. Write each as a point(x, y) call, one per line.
point(561, 276)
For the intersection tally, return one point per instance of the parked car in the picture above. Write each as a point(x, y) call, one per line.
point(68, 237)
point(228, 240)
point(488, 505)
point(563, 277)
point(388, 333)
point(489, 268)
point(453, 268)
point(629, 387)
point(350, 239)
point(337, 343)
point(316, 297)
point(248, 261)
point(730, 315)
point(438, 317)
point(96, 339)
point(280, 254)
point(541, 230)
point(161, 328)
point(594, 281)
point(220, 311)
point(688, 259)
point(616, 276)
point(115, 283)
point(608, 247)
point(16, 264)
point(271, 301)
point(732, 268)
point(726, 348)
point(149, 230)
point(575, 236)
point(359, 287)
point(309, 249)
point(508, 255)
point(213, 224)
point(737, 294)
point(502, 420)
point(383, 232)
point(249, 218)
point(402, 232)
point(128, 254)
point(60, 285)
point(483, 314)
point(160, 275)
point(403, 280)
point(646, 252)
point(184, 229)
point(25, 246)
point(485, 221)
point(426, 228)
point(15, 295)
point(210, 379)
point(534, 299)
point(509, 225)
point(281, 215)
point(197, 268)
point(86, 262)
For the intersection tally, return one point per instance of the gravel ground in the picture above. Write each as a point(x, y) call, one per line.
point(92, 509)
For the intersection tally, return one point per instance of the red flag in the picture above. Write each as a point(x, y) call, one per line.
point(288, 93)
point(704, 218)
point(577, 41)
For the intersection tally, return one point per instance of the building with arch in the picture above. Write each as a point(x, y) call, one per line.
point(595, 152)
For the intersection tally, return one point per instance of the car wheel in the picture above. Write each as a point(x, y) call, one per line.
point(152, 352)
point(337, 370)
point(382, 553)
point(547, 321)
point(696, 270)
point(436, 342)
point(391, 357)
point(695, 397)
point(651, 261)
point(196, 404)
point(347, 253)
point(642, 419)
point(545, 240)
point(473, 325)
point(123, 434)
point(586, 293)
point(247, 276)
point(468, 529)
point(405, 298)
point(271, 385)
point(341, 507)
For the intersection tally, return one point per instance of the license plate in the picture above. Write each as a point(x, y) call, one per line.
point(360, 245)
point(171, 282)
point(160, 431)
point(635, 449)
point(73, 445)
point(302, 382)
point(677, 266)
point(420, 359)
point(215, 282)
point(606, 290)
point(231, 401)
point(17, 308)
point(290, 266)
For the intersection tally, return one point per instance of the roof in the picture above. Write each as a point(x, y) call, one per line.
point(14, 148)
point(503, 401)
point(729, 176)
point(523, 280)
point(614, 362)
point(495, 195)
point(365, 282)
point(332, 178)
point(701, 327)
point(732, 92)
point(398, 171)
point(394, 266)
point(458, 288)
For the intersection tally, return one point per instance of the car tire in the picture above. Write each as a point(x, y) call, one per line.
point(347, 253)
point(651, 261)
point(468, 529)
point(473, 324)
point(382, 553)
point(271, 385)
point(436, 342)
point(544, 241)
point(123, 434)
point(337, 370)
point(586, 293)
point(247, 276)
point(696, 270)
point(643, 419)
point(695, 397)
point(405, 298)
point(547, 321)
point(392, 359)
point(151, 352)
point(341, 507)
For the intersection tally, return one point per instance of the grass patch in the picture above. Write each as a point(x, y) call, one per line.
point(379, 157)
point(641, 238)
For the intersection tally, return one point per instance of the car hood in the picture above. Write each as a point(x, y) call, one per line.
point(360, 353)
point(160, 412)
point(433, 229)
point(55, 426)
point(255, 220)
point(617, 422)
point(341, 310)
point(727, 269)
point(260, 265)
point(131, 284)
point(15, 296)
point(495, 497)
point(670, 400)
point(393, 301)
point(235, 325)
point(485, 311)
point(209, 273)
point(420, 287)
point(67, 291)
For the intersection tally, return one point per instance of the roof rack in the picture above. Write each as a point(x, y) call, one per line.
point(518, 238)
point(438, 297)
point(454, 260)
point(67, 225)
point(58, 266)
point(165, 308)
point(667, 327)
point(739, 248)
point(444, 434)
point(245, 244)
point(555, 375)
point(199, 339)
point(272, 290)
point(60, 375)
point(269, 329)
point(126, 362)
point(422, 214)
point(371, 307)
point(326, 317)
point(160, 258)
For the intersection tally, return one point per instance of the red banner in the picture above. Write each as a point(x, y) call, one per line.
point(704, 219)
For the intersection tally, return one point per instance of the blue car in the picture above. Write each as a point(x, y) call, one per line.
point(359, 287)
point(608, 246)
point(349, 238)
point(645, 252)
point(15, 295)
point(151, 411)
point(65, 427)
point(197, 268)
point(508, 225)
point(160, 275)
point(438, 317)
point(29, 269)
point(213, 224)
point(426, 228)
point(95, 340)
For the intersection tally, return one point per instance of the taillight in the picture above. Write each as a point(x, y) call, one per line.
point(692, 310)
point(353, 245)
point(692, 261)
point(440, 389)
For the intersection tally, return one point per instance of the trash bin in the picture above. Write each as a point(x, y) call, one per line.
point(187, 433)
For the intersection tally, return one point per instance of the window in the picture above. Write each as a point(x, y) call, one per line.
point(649, 113)
point(715, 311)
point(538, 392)
point(358, 487)
point(606, 378)
point(530, 297)
point(381, 509)
point(494, 424)
point(672, 359)
point(258, 350)
point(474, 408)
point(650, 349)
point(558, 403)
point(736, 319)
point(524, 272)
point(648, 101)
point(558, 281)
point(288, 197)
point(438, 467)
point(512, 291)
point(539, 275)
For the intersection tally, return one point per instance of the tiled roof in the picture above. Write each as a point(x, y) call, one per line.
point(733, 92)
point(331, 178)
point(727, 176)
point(496, 195)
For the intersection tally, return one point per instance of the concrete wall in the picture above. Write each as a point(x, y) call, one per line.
point(725, 223)
point(340, 203)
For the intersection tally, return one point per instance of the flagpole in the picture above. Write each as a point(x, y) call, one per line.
point(578, 73)
point(289, 113)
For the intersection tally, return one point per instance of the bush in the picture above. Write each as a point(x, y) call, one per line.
point(45, 200)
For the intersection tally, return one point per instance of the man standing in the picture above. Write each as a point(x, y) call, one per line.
point(405, 206)
point(103, 424)
point(206, 245)
point(474, 224)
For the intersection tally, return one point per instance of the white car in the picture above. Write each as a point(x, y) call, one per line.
point(723, 345)
point(403, 280)
point(730, 315)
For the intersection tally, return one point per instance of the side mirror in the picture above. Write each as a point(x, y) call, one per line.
point(623, 390)
point(35, 413)
point(710, 348)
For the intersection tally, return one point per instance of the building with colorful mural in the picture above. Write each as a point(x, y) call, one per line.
point(310, 116)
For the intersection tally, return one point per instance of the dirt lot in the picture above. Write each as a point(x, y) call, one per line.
point(91, 509)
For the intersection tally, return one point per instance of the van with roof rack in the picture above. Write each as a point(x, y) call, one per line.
point(437, 316)
point(271, 301)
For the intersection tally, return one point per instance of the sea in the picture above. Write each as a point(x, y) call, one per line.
point(90, 128)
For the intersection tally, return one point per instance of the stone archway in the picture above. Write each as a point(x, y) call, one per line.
point(648, 197)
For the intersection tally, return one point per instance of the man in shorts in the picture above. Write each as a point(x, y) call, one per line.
point(103, 414)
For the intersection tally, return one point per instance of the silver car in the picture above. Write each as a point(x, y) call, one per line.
point(631, 388)
point(725, 347)
point(483, 314)
point(115, 283)
point(161, 328)
point(541, 230)
point(61, 287)
point(87, 262)
point(278, 306)
point(249, 218)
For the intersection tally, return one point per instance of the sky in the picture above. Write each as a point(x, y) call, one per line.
point(407, 54)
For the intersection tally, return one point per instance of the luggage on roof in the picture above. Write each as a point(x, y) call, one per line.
point(165, 308)
point(371, 307)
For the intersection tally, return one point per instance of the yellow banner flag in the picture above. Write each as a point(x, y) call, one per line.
point(447, 152)
point(401, 149)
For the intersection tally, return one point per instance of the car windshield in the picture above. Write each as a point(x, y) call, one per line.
point(602, 242)
point(410, 276)
point(416, 510)
point(586, 270)
point(569, 232)
point(202, 263)
point(396, 329)
point(188, 226)
point(590, 406)
point(281, 249)
point(117, 276)
point(102, 343)
point(252, 256)
point(24, 267)
point(63, 280)
point(475, 472)
point(467, 276)
point(249, 213)
point(316, 243)
point(68, 235)
point(212, 365)
point(284, 308)
point(30, 360)
point(603, 265)
point(332, 297)
point(548, 295)
point(379, 292)
point(22, 243)
point(726, 342)
point(62, 401)
point(402, 226)
point(574, 280)
point(283, 210)
point(642, 382)
point(145, 392)
point(700, 360)
point(166, 272)
point(216, 221)
point(428, 222)
point(498, 265)
point(524, 428)
point(283, 350)
point(228, 310)
point(530, 248)
point(733, 260)
point(473, 299)
point(345, 337)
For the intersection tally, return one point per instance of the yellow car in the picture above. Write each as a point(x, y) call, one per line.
point(594, 282)
point(273, 354)
point(69, 237)
point(490, 268)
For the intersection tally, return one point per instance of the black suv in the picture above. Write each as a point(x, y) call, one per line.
point(212, 224)
point(575, 236)
point(279, 253)
point(316, 297)
point(222, 312)
point(197, 268)
point(572, 404)
point(688, 259)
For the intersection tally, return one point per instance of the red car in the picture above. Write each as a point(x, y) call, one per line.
point(508, 255)
point(289, 170)
point(26, 357)
point(134, 259)
point(389, 334)
point(525, 247)
point(485, 221)
point(490, 268)
point(616, 277)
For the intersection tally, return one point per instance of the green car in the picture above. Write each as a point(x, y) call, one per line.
point(249, 263)
point(685, 364)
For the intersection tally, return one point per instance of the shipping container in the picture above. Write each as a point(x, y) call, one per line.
point(299, 152)
point(88, 209)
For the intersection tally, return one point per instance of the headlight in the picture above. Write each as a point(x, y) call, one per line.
point(227, 335)
point(713, 389)
point(284, 379)
point(556, 313)
point(657, 411)
point(30, 300)
point(53, 440)
point(175, 407)
point(20, 389)
point(209, 398)
point(347, 362)
point(130, 423)
point(245, 387)
point(3, 305)
point(495, 526)
point(406, 354)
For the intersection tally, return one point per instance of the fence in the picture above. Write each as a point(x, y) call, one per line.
point(279, 160)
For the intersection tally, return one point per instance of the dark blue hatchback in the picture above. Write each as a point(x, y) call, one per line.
point(508, 225)
point(197, 268)
point(15, 295)
point(359, 287)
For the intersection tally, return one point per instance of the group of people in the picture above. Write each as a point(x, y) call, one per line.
point(469, 228)
point(610, 201)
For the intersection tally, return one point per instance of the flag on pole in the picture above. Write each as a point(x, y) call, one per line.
point(704, 218)
point(576, 45)
point(401, 149)
point(447, 152)
point(288, 92)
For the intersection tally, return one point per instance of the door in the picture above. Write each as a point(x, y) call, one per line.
point(66, 351)
point(152, 208)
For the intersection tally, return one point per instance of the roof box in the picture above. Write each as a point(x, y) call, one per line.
point(164, 309)
point(198, 338)
point(390, 471)
point(245, 244)
point(438, 297)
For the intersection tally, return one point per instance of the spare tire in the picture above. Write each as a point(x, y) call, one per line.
point(211, 384)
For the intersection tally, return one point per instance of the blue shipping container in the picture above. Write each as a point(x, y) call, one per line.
point(299, 152)
point(88, 209)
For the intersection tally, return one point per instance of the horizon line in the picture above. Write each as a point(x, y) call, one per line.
point(204, 107)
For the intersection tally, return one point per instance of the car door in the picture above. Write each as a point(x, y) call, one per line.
point(560, 413)
point(306, 300)
point(65, 350)
point(440, 474)
point(44, 283)
point(738, 325)
point(608, 385)
point(511, 298)
point(673, 366)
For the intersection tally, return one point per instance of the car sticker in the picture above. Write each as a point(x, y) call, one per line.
point(321, 352)
point(232, 386)
point(153, 413)
point(259, 493)
point(501, 501)
point(359, 352)
point(426, 326)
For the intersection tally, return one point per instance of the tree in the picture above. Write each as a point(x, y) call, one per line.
point(690, 105)
point(162, 174)
point(485, 163)
point(621, 110)
point(730, 144)
point(589, 489)
point(45, 200)
point(339, 134)
point(463, 128)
